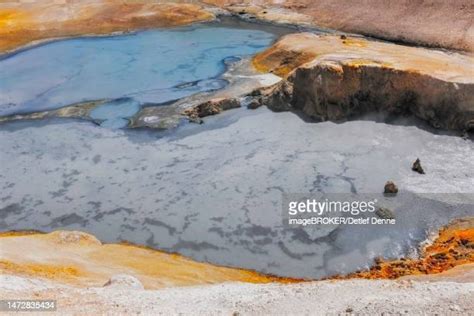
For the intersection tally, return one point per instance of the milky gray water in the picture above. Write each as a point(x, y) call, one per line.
point(214, 192)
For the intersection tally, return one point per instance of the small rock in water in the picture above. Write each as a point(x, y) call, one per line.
point(384, 213)
point(378, 260)
point(390, 188)
point(255, 93)
point(255, 104)
point(124, 281)
point(197, 120)
point(417, 166)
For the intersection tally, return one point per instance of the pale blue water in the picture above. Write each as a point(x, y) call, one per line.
point(148, 67)
point(114, 114)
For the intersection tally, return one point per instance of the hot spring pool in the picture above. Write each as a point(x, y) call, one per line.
point(214, 191)
point(149, 67)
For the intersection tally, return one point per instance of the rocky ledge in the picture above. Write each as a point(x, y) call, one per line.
point(332, 77)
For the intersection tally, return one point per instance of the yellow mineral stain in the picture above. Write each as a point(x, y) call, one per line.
point(14, 233)
point(355, 42)
point(361, 62)
point(24, 23)
point(55, 272)
point(294, 50)
point(81, 260)
point(8, 17)
point(280, 63)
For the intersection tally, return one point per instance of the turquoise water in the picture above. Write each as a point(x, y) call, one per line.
point(148, 67)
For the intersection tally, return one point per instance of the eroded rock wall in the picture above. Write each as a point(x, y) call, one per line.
point(336, 77)
point(333, 92)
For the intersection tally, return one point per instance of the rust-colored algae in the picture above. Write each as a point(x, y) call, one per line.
point(453, 247)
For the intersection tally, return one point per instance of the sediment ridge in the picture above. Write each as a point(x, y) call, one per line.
point(79, 259)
